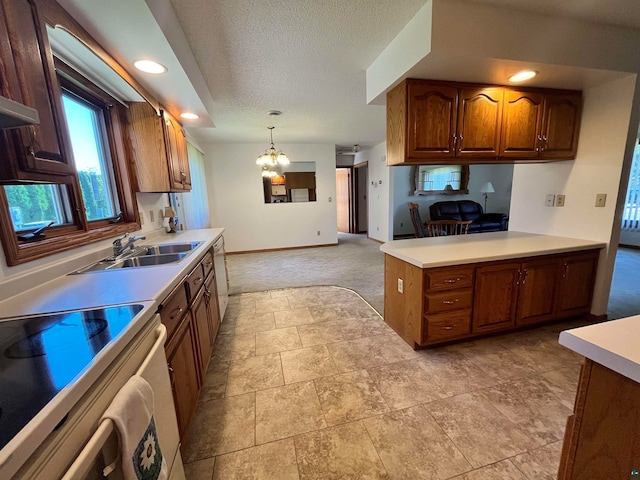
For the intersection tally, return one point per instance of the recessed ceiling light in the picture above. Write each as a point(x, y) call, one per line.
point(189, 116)
point(149, 66)
point(523, 75)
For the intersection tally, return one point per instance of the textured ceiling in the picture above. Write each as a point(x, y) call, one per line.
point(306, 58)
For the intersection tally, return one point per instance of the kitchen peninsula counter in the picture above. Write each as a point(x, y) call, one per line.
point(601, 439)
point(484, 247)
point(444, 289)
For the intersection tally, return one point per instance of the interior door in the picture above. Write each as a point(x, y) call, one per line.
point(343, 197)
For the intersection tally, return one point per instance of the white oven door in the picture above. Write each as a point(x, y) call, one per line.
point(102, 447)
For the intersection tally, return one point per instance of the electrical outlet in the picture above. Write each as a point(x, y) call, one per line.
point(152, 217)
point(318, 232)
point(601, 199)
point(559, 200)
point(329, 199)
point(400, 285)
point(549, 201)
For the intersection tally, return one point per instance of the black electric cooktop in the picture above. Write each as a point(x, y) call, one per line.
point(41, 355)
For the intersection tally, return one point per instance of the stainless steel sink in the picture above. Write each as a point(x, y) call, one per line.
point(147, 261)
point(144, 256)
point(167, 248)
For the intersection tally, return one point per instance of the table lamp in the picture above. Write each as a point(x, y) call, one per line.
point(170, 213)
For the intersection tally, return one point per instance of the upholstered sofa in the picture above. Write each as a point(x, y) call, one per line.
point(469, 210)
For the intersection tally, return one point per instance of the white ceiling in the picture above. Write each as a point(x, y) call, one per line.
point(306, 58)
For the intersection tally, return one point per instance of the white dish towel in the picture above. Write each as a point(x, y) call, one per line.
point(132, 413)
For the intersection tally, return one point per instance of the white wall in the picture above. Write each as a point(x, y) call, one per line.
point(236, 200)
point(606, 140)
point(379, 191)
point(500, 177)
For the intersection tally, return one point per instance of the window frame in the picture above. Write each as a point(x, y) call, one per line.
point(82, 231)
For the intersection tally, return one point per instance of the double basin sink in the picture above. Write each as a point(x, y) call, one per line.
point(144, 256)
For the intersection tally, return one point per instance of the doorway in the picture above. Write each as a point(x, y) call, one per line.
point(351, 198)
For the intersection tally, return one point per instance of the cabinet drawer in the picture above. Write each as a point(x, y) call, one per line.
point(448, 278)
point(448, 300)
point(207, 263)
point(174, 308)
point(444, 326)
point(194, 282)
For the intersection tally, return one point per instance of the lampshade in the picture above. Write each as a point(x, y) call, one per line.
point(487, 188)
point(169, 212)
point(266, 172)
point(272, 156)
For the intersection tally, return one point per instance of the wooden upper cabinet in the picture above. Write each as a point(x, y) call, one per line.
point(432, 121)
point(479, 122)
point(540, 125)
point(28, 76)
point(177, 154)
point(522, 115)
point(560, 125)
point(159, 150)
point(146, 137)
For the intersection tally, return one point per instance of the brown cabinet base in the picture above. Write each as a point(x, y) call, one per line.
point(460, 302)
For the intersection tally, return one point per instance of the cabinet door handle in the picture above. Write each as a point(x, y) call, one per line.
point(525, 276)
point(450, 302)
point(169, 367)
point(447, 327)
point(197, 280)
point(566, 270)
point(460, 143)
point(519, 277)
point(176, 312)
point(452, 280)
point(539, 143)
point(208, 264)
point(183, 175)
point(455, 140)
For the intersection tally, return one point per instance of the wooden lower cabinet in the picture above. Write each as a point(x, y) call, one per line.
point(444, 304)
point(536, 291)
point(575, 285)
point(190, 313)
point(184, 373)
point(602, 439)
point(496, 297)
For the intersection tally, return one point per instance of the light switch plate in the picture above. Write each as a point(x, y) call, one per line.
point(601, 199)
point(400, 286)
point(549, 201)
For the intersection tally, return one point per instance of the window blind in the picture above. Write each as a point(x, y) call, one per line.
point(631, 214)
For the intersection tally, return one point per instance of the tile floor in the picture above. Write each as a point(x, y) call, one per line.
point(310, 383)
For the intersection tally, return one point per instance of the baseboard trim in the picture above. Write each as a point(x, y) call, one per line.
point(375, 240)
point(282, 248)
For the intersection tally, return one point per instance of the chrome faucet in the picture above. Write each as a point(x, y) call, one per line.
point(119, 249)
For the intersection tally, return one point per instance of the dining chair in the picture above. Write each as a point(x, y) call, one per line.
point(441, 228)
point(418, 226)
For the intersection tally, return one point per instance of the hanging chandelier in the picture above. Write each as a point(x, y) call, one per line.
point(267, 172)
point(272, 156)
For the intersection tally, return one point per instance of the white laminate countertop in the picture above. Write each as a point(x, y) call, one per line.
point(481, 247)
point(111, 287)
point(614, 344)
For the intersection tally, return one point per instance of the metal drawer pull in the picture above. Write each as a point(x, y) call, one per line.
point(447, 327)
point(208, 264)
point(450, 302)
point(452, 280)
point(179, 310)
point(197, 280)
